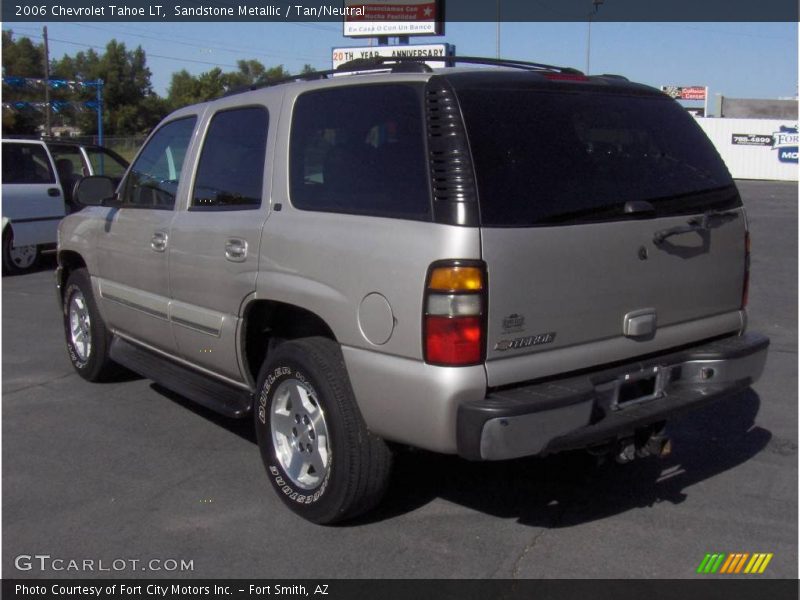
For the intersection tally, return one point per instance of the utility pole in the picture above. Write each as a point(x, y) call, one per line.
point(497, 32)
point(47, 129)
point(595, 7)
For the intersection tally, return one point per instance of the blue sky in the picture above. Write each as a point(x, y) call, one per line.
point(754, 60)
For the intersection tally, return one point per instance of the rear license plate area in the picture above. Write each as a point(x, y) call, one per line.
point(634, 388)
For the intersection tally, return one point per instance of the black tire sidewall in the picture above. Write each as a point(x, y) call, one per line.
point(89, 369)
point(319, 504)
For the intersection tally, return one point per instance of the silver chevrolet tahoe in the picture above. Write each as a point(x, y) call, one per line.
point(490, 262)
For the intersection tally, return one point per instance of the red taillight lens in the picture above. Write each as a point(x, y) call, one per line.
point(454, 308)
point(453, 341)
point(746, 284)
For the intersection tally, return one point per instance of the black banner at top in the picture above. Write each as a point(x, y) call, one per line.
point(454, 10)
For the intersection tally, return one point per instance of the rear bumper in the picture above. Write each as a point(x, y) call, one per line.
point(594, 407)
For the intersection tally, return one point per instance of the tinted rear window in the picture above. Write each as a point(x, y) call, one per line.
point(546, 157)
point(360, 150)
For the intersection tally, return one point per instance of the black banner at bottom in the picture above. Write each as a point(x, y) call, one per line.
point(391, 589)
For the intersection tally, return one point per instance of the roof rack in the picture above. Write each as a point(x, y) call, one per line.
point(407, 64)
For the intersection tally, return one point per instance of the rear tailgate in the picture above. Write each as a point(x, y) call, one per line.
point(610, 227)
point(572, 287)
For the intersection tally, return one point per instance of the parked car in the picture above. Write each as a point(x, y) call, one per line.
point(38, 180)
point(488, 262)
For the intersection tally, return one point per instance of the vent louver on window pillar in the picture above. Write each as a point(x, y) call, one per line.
point(455, 199)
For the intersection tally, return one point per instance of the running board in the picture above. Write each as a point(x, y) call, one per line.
point(202, 389)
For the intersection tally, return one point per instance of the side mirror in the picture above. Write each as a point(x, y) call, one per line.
point(92, 190)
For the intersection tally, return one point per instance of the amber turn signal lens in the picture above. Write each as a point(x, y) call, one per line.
point(456, 279)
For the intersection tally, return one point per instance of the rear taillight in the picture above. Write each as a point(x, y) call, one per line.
point(454, 323)
point(746, 284)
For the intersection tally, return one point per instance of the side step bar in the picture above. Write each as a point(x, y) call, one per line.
point(207, 391)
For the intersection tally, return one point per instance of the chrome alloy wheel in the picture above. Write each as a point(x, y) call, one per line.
point(22, 257)
point(300, 434)
point(80, 325)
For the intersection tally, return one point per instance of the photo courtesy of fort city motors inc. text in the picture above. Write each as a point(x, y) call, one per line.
point(399, 298)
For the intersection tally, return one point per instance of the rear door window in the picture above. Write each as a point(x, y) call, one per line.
point(26, 163)
point(230, 174)
point(548, 157)
point(360, 150)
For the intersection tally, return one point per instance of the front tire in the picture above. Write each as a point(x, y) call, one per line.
point(18, 259)
point(319, 456)
point(88, 339)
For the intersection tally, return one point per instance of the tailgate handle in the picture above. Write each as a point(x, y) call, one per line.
point(703, 223)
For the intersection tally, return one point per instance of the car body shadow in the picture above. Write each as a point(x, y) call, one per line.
point(565, 489)
point(241, 427)
point(571, 488)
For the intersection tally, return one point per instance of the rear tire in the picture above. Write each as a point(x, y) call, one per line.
point(88, 339)
point(20, 259)
point(319, 456)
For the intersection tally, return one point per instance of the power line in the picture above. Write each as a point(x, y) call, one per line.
point(201, 46)
point(148, 54)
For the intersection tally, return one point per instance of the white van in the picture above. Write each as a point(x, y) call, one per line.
point(33, 203)
point(38, 179)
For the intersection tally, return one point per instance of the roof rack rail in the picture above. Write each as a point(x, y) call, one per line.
point(378, 62)
point(407, 64)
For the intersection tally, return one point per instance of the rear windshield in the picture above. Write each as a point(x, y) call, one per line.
point(558, 157)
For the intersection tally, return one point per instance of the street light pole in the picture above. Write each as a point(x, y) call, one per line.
point(595, 7)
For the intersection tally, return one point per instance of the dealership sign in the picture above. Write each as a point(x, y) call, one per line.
point(693, 92)
point(433, 51)
point(393, 18)
point(785, 141)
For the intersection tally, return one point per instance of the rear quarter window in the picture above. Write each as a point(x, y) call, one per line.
point(360, 150)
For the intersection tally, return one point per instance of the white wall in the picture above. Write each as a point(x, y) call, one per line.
point(752, 161)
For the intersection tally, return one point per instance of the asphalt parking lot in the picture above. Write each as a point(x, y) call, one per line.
point(130, 471)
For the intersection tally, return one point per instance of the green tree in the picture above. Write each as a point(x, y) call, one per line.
point(185, 89)
point(129, 104)
point(21, 58)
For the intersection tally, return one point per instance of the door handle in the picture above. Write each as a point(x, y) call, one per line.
point(53, 192)
point(236, 250)
point(159, 241)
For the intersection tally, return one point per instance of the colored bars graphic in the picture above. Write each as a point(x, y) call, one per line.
point(734, 563)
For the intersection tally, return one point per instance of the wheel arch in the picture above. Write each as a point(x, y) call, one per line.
point(68, 262)
point(267, 322)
